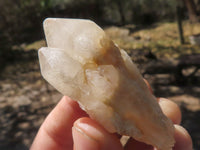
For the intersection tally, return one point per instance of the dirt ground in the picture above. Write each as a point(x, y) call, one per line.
point(26, 98)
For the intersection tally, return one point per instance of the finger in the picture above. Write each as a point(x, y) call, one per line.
point(182, 138)
point(56, 131)
point(89, 135)
point(132, 144)
point(148, 85)
point(170, 109)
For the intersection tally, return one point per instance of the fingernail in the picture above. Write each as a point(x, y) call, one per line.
point(88, 130)
point(161, 99)
point(183, 139)
point(171, 110)
point(82, 140)
point(96, 134)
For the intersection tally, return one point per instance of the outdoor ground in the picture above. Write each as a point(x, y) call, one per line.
point(26, 98)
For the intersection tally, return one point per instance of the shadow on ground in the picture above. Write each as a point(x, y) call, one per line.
point(26, 99)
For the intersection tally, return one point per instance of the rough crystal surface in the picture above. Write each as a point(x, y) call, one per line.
point(83, 63)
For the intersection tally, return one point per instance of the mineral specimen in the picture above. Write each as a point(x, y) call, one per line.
point(83, 63)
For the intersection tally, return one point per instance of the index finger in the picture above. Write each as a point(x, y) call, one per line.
point(56, 131)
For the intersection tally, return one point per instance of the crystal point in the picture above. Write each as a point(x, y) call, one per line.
point(83, 63)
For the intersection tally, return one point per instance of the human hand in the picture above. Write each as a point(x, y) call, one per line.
point(67, 127)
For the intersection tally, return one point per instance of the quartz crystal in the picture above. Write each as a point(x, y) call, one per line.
point(84, 64)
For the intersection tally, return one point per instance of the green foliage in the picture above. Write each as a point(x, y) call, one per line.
point(18, 18)
point(140, 11)
point(21, 20)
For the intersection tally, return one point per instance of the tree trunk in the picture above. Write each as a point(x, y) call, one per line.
point(179, 23)
point(121, 12)
point(192, 10)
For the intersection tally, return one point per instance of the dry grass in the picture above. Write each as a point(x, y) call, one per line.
point(162, 39)
point(36, 45)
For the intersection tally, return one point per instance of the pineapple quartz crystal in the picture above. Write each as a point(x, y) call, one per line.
point(84, 64)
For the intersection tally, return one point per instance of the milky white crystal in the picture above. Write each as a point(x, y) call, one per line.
point(83, 63)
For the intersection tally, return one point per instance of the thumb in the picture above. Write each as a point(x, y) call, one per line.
point(88, 135)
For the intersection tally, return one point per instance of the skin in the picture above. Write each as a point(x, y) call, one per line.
point(67, 127)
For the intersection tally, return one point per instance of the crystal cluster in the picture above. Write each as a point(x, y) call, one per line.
point(83, 63)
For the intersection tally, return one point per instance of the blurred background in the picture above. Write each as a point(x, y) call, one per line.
point(161, 36)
